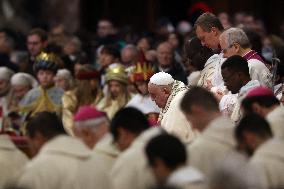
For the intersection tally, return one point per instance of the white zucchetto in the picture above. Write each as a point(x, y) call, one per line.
point(161, 78)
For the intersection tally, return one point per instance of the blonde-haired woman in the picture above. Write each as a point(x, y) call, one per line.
point(86, 92)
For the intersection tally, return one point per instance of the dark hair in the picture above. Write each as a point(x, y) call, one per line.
point(178, 36)
point(264, 101)
point(280, 55)
point(196, 54)
point(254, 39)
point(168, 148)
point(112, 50)
point(40, 32)
point(208, 20)
point(201, 97)
point(10, 36)
point(130, 119)
point(236, 63)
point(46, 123)
point(253, 123)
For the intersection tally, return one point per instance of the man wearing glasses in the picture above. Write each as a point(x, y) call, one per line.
point(234, 41)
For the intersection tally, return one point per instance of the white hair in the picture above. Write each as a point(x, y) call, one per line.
point(6, 73)
point(236, 35)
point(131, 47)
point(24, 79)
point(66, 74)
point(91, 123)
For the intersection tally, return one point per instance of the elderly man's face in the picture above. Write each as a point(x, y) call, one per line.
point(227, 50)
point(158, 94)
point(20, 90)
point(61, 82)
point(165, 55)
point(128, 56)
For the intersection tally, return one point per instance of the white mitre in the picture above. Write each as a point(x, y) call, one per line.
point(24, 79)
point(161, 78)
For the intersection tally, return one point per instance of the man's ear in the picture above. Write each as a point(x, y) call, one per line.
point(166, 90)
point(196, 109)
point(236, 47)
point(256, 108)
point(214, 30)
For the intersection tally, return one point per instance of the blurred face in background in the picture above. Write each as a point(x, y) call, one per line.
point(116, 88)
point(143, 44)
point(106, 59)
point(105, 28)
point(173, 40)
point(165, 55)
point(45, 78)
point(62, 83)
point(142, 87)
point(20, 90)
point(35, 45)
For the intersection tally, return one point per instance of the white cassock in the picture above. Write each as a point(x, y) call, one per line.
point(237, 114)
point(258, 71)
point(212, 145)
point(269, 160)
point(131, 169)
point(193, 78)
point(217, 79)
point(12, 160)
point(171, 117)
point(276, 121)
point(187, 177)
point(207, 74)
point(143, 103)
point(64, 162)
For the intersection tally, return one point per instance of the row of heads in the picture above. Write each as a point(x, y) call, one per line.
point(142, 71)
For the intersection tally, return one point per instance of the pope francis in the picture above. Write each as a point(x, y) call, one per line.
point(167, 94)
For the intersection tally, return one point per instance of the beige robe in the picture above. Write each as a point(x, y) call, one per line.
point(11, 161)
point(104, 154)
point(171, 117)
point(63, 162)
point(131, 168)
point(213, 144)
point(269, 159)
point(187, 178)
point(276, 121)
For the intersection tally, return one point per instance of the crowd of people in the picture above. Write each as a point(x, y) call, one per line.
point(188, 107)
